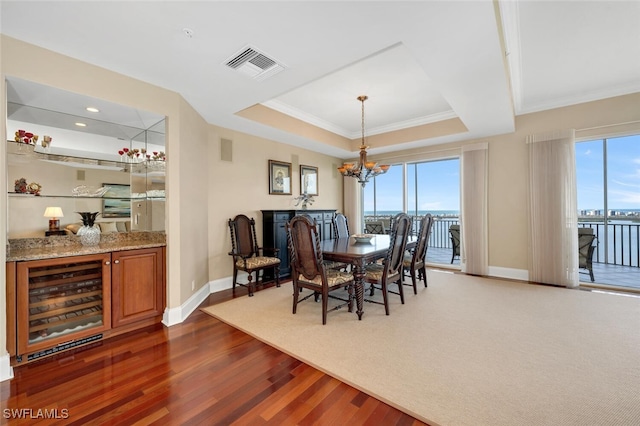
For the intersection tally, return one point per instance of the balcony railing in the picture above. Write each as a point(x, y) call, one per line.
point(622, 247)
point(439, 233)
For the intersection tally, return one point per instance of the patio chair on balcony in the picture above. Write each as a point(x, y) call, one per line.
point(586, 248)
point(375, 227)
point(454, 233)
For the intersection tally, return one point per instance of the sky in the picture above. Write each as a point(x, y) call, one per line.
point(438, 187)
point(439, 181)
point(623, 174)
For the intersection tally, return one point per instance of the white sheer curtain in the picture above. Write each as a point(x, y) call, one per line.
point(474, 249)
point(553, 210)
point(352, 195)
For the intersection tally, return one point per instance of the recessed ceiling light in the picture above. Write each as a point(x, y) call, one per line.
point(92, 109)
point(81, 125)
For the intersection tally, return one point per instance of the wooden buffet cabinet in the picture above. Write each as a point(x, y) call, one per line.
point(56, 304)
point(274, 232)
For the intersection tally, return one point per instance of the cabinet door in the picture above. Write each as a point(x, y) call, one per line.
point(62, 301)
point(11, 308)
point(137, 279)
point(274, 234)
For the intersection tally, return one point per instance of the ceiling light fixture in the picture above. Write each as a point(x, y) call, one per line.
point(363, 170)
point(92, 109)
point(81, 125)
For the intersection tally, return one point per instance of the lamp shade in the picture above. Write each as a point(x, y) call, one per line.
point(53, 212)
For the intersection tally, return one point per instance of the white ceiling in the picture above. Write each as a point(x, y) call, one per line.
point(418, 61)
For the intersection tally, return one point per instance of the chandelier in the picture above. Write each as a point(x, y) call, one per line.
point(363, 170)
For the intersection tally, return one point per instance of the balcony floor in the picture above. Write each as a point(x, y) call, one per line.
point(608, 275)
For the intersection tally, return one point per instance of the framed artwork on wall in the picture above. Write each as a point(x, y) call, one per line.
point(279, 178)
point(117, 201)
point(308, 180)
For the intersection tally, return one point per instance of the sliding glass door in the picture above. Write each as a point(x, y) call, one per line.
point(608, 187)
point(417, 189)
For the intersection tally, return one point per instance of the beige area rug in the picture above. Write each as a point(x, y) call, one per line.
point(469, 350)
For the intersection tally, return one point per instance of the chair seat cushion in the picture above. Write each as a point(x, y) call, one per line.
point(257, 262)
point(406, 262)
point(374, 272)
point(334, 278)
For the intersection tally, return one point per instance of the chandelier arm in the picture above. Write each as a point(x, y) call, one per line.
point(364, 170)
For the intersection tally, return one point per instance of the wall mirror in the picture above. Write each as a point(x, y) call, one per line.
point(83, 144)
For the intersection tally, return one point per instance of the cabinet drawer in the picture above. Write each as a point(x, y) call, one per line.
point(316, 216)
point(282, 217)
point(328, 216)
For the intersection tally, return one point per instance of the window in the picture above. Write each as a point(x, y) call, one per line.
point(431, 187)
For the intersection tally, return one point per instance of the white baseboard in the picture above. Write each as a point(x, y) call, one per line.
point(514, 274)
point(6, 371)
point(173, 316)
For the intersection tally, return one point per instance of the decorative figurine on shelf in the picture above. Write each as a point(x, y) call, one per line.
point(89, 232)
point(305, 199)
point(26, 137)
point(21, 186)
point(46, 141)
point(34, 188)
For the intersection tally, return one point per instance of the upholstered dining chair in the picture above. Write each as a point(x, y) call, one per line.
point(308, 270)
point(340, 226)
point(390, 271)
point(415, 262)
point(454, 233)
point(247, 256)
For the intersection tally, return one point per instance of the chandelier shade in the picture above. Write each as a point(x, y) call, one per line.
point(363, 170)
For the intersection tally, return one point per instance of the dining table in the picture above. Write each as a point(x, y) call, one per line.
point(359, 254)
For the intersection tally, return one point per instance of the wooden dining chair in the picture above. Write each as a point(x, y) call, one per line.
point(391, 269)
point(248, 256)
point(415, 262)
point(308, 270)
point(340, 226)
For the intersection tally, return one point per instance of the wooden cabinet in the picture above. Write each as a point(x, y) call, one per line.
point(274, 231)
point(61, 303)
point(135, 293)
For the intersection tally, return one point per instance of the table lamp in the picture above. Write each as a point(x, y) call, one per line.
point(53, 213)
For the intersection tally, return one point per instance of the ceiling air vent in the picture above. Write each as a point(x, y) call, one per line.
point(254, 64)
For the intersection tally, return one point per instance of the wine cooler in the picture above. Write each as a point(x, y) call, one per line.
point(62, 302)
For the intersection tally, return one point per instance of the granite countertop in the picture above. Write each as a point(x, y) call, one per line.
point(23, 249)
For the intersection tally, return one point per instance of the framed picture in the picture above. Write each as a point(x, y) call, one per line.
point(279, 178)
point(117, 201)
point(308, 180)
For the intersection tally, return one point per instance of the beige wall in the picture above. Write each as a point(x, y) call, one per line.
point(241, 187)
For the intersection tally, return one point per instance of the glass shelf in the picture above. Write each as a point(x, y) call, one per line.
point(27, 195)
point(24, 151)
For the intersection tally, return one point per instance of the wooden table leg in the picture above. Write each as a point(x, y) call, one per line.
point(358, 276)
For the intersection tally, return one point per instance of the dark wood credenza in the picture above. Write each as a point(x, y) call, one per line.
point(274, 231)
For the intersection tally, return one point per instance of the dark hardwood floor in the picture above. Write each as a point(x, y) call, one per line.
point(199, 372)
